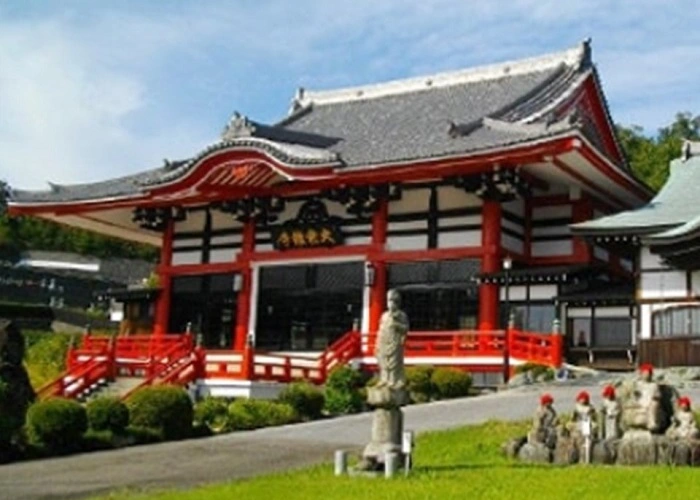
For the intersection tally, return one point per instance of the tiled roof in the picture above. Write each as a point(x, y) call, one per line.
point(448, 114)
point(674, 209)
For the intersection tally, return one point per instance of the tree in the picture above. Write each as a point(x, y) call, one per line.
point(649, 157)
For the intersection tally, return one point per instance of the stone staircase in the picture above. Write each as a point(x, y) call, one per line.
point(117, 388)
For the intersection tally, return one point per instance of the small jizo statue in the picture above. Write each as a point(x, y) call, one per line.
point(643, 409)
point(393, 328)
point(683, 423)
point(584, 414)
point(610, 414)
point(544, 423)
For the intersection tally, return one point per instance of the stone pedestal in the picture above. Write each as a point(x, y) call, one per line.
point(387, 426)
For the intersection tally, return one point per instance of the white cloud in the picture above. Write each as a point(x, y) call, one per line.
point(100, 91)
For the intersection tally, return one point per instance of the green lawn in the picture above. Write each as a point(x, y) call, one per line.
point(464, 463)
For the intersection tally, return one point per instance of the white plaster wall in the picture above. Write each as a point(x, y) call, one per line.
point(193, 257)
point(459, 239)
point(510, 243)
point(407, 242)
point(543, 292)
point(660, 285)
point(413, 200)
point(552, 248)
point(650, 260)
point(452, 197)
point(517, 292)
point(551, 212)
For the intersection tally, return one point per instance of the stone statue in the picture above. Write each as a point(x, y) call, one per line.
point(683, 424)
point(583, 412)
point(393, 329)
point(610, 414)
point(642, 408)
point(390, 393)
point(544, 423)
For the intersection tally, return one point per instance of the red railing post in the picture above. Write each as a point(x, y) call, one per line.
point(248, 362)
point(112, 358)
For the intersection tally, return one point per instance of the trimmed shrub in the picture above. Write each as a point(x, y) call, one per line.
point(451, 383)
point(212, 413)
point(344, 391)
point(107, 414)
point(420, 383)
point(57, 424)
point(167, 409)
point(94, 440)
point(246, 414)
point(143, 435)
point(306, 399)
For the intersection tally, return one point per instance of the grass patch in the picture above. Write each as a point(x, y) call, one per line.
point(463, 463)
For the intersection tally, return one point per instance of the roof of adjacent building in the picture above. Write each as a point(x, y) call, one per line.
point(672, 212)
point(115, 270)
point(429, 117)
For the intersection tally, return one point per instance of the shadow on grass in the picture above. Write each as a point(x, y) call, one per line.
point(459, 467)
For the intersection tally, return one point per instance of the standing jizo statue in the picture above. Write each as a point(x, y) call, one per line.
point(393, 329)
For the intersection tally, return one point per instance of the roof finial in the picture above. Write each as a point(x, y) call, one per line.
point(238, 126)
point(686, 150)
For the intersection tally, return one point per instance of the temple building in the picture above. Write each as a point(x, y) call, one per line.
point(662, 238)
point(286, 236)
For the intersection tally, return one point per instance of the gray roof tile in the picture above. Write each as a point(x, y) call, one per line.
point(419, 118)
point(674, 205)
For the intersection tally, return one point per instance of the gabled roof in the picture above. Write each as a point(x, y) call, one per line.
point(671, 212)
point(453, 114)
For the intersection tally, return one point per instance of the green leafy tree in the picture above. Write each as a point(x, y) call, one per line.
point(649, 157)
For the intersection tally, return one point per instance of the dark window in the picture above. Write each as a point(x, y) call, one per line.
point(612, 332)
point(532, 317)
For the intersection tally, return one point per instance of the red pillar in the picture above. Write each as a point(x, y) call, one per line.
point(240, 329)
point(162, 310)
point(377, 293)
point(490, 263)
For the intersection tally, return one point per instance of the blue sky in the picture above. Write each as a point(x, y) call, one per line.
point(95, 89)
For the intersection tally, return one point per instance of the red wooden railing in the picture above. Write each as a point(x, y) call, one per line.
point(250, 365)
point(104, 358)
point(163, 359)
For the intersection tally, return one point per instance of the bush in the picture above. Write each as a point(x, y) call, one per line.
point(451, 383)
point(536, 371)
point(246, 414)
point(420, 384)
point(107, 414)
point(306, 399)
point(343, 391)
point(95, 440)
point(57, 424)
point(167, 409)
point(212, 413)
point(143, 435)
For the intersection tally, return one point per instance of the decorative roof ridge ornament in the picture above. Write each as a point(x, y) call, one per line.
point(689, 149)
point(238, 126)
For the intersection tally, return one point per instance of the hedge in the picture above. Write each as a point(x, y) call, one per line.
point(344, 391)
point(451, 383)
point(212, 412)
point(56, 424)
point(306, 399)
point(164, 409)
point(420, 384)
point(247, 414)
point(107, 414)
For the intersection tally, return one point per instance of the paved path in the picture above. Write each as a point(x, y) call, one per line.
point(245, 454)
